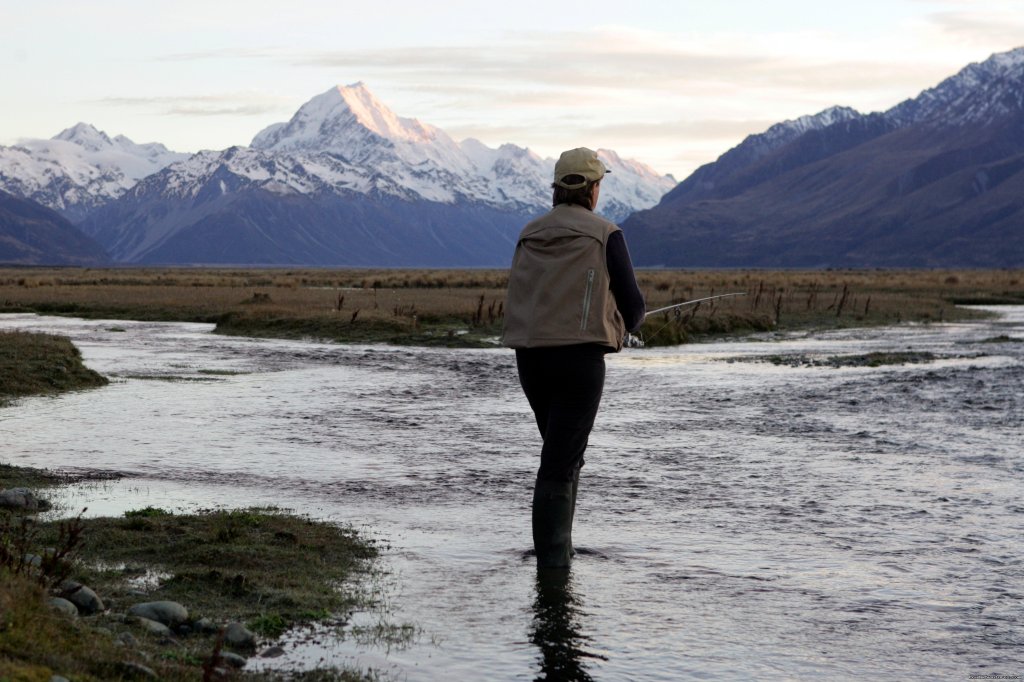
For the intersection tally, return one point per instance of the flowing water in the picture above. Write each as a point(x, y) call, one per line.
point(737, 519)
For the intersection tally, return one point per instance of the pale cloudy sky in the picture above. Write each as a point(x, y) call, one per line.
point(671, 83)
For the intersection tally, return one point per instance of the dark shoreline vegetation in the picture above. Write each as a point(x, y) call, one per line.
point(262, 568)
point(464, 308)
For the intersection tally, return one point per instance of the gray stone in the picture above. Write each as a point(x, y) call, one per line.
point(62, 606)
point(22, 499)
point(153, 627)
point(170, 613)
point(86, 600)
point(205, 625)
point(128, 639)
point(234, 660)
point(33, 560)
point(273, 652)
point(58, 678)
point(239, 637)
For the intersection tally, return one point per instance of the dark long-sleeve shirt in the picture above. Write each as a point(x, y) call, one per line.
point(623, 282)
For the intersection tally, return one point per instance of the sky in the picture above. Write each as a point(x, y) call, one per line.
point(673, 84)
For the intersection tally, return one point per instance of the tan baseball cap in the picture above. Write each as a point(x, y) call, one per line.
point(579, 161)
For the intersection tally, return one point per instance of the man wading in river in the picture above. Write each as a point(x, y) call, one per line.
point(571, 298)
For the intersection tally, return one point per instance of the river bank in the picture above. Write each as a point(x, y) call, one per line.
point(464, 308)
point(239, 578)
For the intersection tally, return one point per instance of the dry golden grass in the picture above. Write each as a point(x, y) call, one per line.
point(440, 306)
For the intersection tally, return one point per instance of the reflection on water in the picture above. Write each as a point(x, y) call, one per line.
point(736, 520)
point(558, 628)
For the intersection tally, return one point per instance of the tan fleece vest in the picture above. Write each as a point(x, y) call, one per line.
point(558, 288)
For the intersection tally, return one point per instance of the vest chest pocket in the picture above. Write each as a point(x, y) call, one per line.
point(588, 292)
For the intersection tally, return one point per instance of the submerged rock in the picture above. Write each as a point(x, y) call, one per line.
point(22, 499)
point(85, 599)
point(170, 613)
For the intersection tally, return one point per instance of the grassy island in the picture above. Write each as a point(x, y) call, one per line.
point(32, 364)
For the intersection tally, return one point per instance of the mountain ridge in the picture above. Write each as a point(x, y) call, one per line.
point(934, 181)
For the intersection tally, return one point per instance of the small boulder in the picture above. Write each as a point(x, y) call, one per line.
point(87, 601)
point(170, 613)
point(273, 652)
point(62, 606)
point(58, 678)
point(153, 627)
point(22, 499)
point(238, 636)
point(232, 659)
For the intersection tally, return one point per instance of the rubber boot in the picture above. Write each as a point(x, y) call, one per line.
point(552, 523)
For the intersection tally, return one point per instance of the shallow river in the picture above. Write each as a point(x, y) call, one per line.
point(739, 519)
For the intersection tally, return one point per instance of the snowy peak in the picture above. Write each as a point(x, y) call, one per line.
point(373, 115)
point(85, 136)
point(79, 168)
point(342, 119)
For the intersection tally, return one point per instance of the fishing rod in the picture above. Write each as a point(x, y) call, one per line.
point(696, 300)
point(633, 341)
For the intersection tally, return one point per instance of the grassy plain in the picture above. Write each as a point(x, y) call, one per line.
point(465, 307)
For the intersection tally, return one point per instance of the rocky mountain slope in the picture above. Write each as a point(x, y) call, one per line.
point(938, 180)
point(31, 234)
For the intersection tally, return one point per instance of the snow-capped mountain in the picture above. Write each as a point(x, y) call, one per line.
point(936, 181)
point(400, 156)
point(343, 162)
point(79, 169)
point(976, 95)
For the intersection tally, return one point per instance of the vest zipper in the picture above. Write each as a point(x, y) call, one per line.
point(586, 299)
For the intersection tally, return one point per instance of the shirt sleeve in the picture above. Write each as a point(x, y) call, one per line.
point(623, 282)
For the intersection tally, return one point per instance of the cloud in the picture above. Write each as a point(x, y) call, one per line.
point(989, 29)
point(241, 104)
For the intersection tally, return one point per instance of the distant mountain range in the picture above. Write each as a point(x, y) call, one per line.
point(937, 180)
point(345, 182)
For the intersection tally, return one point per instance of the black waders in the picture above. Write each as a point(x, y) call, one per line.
point(552, 523)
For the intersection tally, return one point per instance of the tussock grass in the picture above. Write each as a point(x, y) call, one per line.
point(466, 307)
